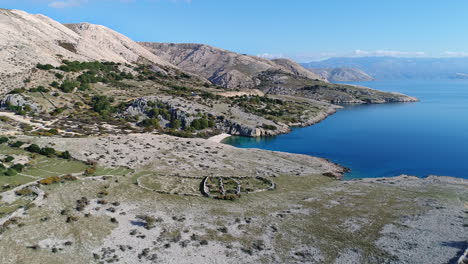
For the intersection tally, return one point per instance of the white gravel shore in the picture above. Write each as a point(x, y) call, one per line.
point(219, 138)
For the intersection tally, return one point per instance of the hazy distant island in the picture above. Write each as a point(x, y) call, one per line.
point(394, 68)
point(342, 74)
point(105, 158)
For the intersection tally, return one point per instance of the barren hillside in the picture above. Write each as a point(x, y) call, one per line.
point(30, 39)
point(222, 67)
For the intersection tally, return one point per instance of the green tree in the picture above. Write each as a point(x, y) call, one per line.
point(68, 86)
point(49, 152)
point(34, 148)
point(101, 104)
point(55, 84)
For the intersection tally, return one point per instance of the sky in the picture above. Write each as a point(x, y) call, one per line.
point(303, 30)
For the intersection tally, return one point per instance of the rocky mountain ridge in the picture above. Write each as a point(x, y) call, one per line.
point(222, 67)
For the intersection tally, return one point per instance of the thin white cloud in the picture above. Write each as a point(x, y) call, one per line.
point(75, 3)
point(391, 53)
point(67, 3)
point(308, 57)
point(455, 54)
point(270, 56)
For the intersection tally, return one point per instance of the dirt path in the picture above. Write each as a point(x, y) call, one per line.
point(37, 125)
point(25, 120)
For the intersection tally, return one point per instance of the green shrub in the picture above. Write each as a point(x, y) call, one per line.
point(57, 111)
point(176, 123)
point(84, 87)
point(90, 171)
point(49, 152)
point(33, 148)
point(8, 159)
point(65, 155)
point(202, 123)
point(3, 140)
point(150, 123)
point(25, 192)
point(50, 180)
point(68, 86)
point(17, 91)
point(10, 172)
point(46, 151)
point(17, 144)
point(39, 89)
point(269, 127)
point(101, 104)
point(55, 84)
point(45, 67)
point(17, 167)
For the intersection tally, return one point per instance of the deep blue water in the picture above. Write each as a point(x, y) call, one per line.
point(428, 137)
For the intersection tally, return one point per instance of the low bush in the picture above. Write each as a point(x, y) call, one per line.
point(50, 180)
point(69, 177)
point(90, 171)
point(39, 89)
point(25, 192)
point(45, 67)
point(17, 144)
point(17, 167)
point(10, 172)
point(65, 155)
point(8, 159)
point(269, 127)
point(3, 140)
point(68, 86)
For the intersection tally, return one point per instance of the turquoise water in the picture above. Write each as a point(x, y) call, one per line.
point(428, 137)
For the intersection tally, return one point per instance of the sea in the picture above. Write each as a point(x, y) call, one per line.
point(429, 137)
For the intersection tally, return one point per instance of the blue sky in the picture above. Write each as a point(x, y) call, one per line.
point(300, 29)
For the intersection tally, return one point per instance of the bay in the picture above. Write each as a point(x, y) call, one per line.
point(425, 138)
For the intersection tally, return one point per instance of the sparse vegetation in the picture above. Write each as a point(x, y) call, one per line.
point(44, 67)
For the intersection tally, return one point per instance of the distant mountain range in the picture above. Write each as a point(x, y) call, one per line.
point(342, 74)
point(392, 68)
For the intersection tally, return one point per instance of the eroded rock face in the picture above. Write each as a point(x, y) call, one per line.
point(17, 100)
point(232, 79)
point(141, 107)
point(242, 124)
